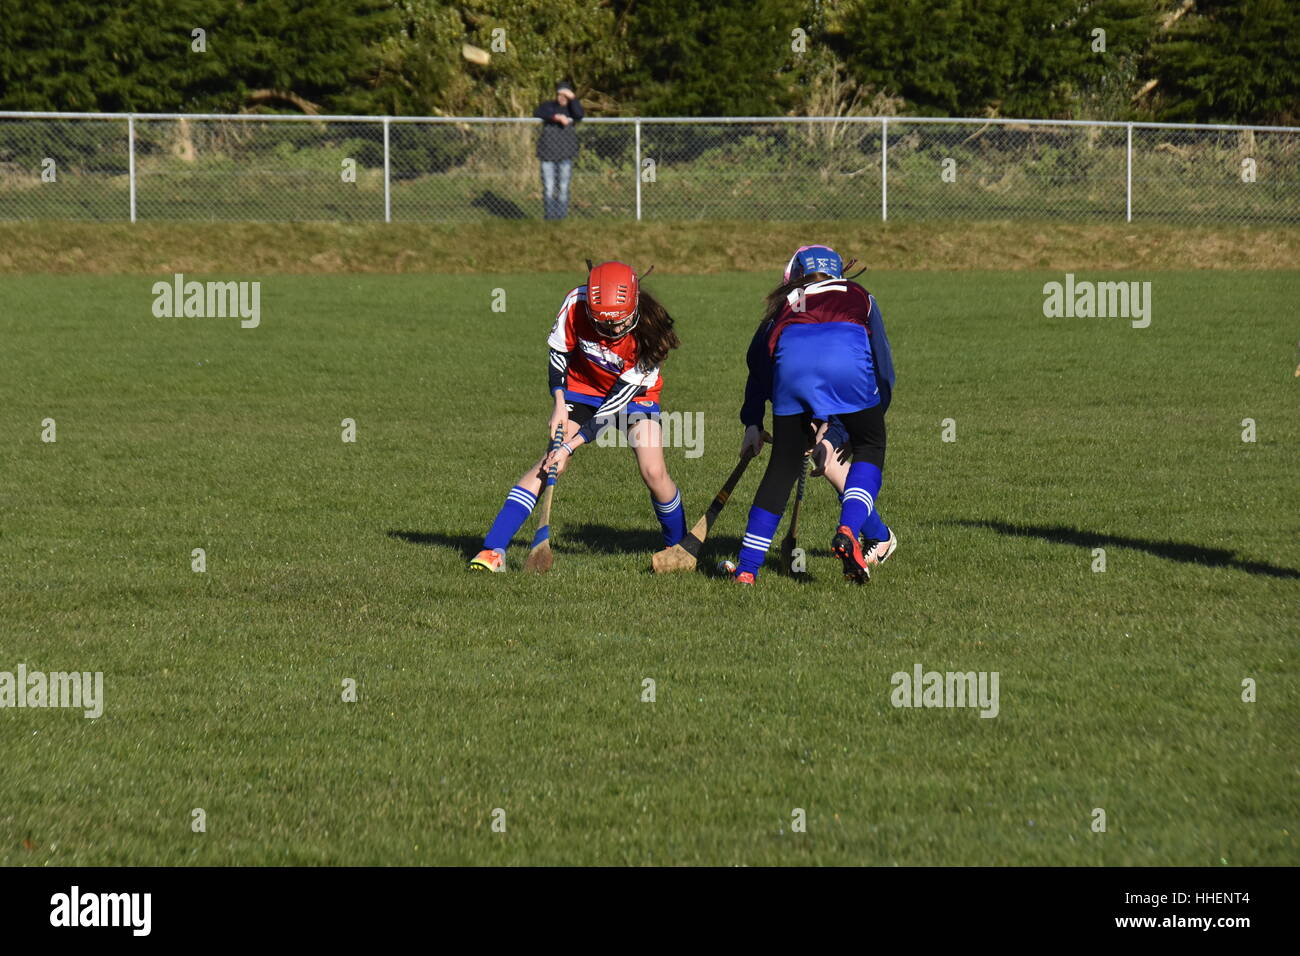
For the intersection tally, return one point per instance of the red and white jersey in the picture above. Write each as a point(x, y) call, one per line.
point(595, 362)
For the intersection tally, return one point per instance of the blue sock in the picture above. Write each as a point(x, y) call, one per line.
point(672, 518)
point(874, 528)
point(519, 505)
point(758, 538)
point(859, 498)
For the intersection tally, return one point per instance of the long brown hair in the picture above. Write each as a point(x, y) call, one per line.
point(777, 299)
point(654, 335)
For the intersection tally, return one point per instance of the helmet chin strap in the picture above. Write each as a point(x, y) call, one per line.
point(636, 318)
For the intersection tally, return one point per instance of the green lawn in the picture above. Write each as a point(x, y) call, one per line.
point(326, 561)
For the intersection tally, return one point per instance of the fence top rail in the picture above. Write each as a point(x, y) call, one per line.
point(952, 120)
point(625, 120)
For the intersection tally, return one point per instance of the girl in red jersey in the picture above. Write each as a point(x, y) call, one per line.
point(606, 346)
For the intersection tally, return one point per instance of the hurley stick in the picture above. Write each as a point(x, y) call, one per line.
point(683, 555)
point(540, 558)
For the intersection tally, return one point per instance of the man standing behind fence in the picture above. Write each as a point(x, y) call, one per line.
point(558, 148)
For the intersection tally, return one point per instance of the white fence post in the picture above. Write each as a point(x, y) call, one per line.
point(130, 158)
point(388, 178)
point(884, 165)
point(637, 169)
point(1128, 177)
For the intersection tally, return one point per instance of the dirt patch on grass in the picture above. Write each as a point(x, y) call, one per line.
point(683, 247)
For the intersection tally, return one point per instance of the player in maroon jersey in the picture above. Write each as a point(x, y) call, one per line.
point(822, 355)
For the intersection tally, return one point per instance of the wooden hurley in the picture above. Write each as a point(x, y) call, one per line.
point(539, 559)
point(683, 555)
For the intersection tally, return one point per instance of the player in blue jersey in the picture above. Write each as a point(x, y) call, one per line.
point(822, 355)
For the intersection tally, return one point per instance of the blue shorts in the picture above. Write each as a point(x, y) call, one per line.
point(582, 407)
point(823, 369)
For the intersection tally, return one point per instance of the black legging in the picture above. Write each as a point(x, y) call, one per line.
point(792, 436)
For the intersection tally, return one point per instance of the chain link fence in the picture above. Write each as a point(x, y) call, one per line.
point(110, 167)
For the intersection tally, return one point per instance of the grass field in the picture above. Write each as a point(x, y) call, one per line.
point(328, 561)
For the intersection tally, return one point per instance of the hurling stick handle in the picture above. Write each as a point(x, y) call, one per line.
point(543, 532)
point(694, 539)
point(556, 441)
point(720, 500)
point(544, 515)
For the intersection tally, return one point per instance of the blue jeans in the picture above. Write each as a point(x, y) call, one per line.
point(555, 188)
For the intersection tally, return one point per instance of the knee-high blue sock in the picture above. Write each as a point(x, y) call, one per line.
point(518, 506)
point(758, 538)
point(672, 518)
point(859, 498)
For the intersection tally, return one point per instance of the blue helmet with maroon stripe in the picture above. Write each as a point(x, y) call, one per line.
point(810, 259)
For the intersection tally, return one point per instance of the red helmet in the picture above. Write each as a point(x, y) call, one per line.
point(612, 296)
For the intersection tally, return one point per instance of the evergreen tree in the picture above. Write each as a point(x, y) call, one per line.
point(1033, 58)
point(711, 57)
point(1231, 61)
point(1225, 61)
point(141, 56)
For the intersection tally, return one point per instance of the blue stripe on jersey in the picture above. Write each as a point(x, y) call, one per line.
point(581, 398)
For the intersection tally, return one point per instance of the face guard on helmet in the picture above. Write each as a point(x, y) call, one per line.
point(810, 259)
point(613, 293)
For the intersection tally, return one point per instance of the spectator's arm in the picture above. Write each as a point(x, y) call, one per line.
point(576, 111)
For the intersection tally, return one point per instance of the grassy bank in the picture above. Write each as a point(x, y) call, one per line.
point(696, 247)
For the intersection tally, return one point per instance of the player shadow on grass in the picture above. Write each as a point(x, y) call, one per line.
point(575, 539)
point(582, 539)
point(1170, 550)
point(601, 539)
point(467, 544)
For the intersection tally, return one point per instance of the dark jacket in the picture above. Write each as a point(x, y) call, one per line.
point(558, 142)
